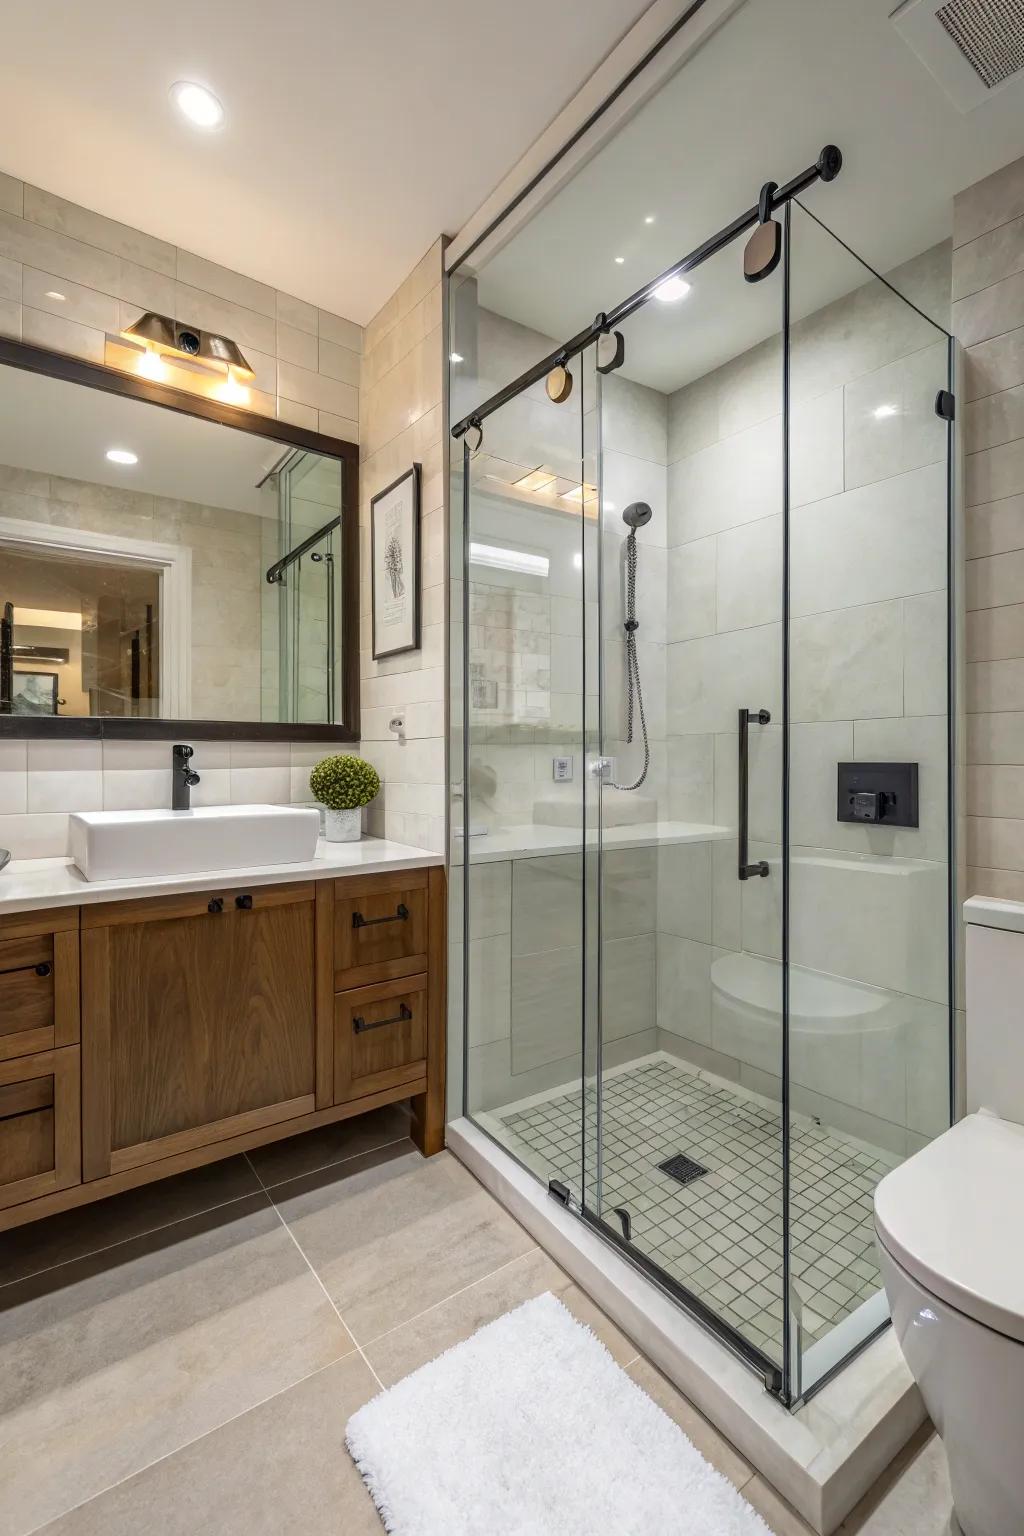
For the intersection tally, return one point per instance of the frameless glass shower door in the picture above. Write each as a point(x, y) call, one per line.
point(689, 1158)
point(703, 885)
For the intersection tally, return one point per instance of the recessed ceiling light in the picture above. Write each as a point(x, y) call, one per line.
point(456, 357)
point(122, 456)
point(619, 260)
point(649, 219)
point(882, 411)
point(671, 289)
point(51, 293)
point(199, 105)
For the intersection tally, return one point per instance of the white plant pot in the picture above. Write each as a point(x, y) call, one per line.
point(343, 826)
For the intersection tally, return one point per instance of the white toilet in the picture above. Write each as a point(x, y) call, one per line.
point(950, 1228)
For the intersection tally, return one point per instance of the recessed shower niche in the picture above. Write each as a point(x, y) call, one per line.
point(683, 956)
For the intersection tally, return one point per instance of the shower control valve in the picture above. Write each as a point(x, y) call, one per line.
point(602, 768)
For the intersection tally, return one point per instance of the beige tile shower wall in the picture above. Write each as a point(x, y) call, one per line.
point(306, 359)
point(401, 423)
point(988, 318)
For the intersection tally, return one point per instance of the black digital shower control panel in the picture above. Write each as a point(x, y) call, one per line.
point(879, 794)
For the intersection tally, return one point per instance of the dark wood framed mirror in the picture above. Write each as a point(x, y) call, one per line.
point(184, 568)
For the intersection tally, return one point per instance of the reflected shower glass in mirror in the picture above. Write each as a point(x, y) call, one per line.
point(158, 565)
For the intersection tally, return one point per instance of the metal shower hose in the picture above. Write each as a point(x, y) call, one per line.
point(630, 626)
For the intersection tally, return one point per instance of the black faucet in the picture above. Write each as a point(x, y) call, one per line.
point(182, 778)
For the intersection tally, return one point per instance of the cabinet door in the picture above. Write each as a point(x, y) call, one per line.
point(198, 1021)
point(39, 1127)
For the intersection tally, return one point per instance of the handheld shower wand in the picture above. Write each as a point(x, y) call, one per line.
point(635, 516)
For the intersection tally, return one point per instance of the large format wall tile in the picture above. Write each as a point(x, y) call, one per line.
point(734, 481)
point(848, 665)
point(882, 540)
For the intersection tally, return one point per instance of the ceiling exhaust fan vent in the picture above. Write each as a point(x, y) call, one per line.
point(989, 34)
point(972, 47)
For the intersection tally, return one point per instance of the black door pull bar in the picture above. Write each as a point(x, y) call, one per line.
point(399, 916)
point(361, 1025)
point(748, 717)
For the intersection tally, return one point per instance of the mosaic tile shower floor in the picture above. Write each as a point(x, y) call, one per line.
point(721, 1235)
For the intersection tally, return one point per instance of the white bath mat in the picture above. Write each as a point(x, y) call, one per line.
point(529, 1428)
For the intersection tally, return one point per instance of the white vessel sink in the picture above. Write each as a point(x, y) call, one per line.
point(120, 845)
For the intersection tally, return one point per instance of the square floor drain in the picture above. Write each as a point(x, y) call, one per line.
point(682, 1168)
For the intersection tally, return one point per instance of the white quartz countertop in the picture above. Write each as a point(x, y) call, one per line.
point(28, 884)
point(534, 840)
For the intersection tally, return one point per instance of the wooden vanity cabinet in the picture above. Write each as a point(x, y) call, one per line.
point(209, 1023)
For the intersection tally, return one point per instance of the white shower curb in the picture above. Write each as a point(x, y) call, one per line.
point(822, 1458)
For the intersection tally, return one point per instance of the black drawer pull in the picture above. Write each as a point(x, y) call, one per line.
point(361, 1025)
point(243, 903)
point(44, 968)
point(398, 916)
point(216, 905)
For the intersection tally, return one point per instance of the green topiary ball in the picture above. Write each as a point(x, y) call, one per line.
point(344, 782)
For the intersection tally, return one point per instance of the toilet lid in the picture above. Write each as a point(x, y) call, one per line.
point(953, 1217)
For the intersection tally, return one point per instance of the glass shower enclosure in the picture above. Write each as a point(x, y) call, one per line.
point(301, 613)
point(702, 765)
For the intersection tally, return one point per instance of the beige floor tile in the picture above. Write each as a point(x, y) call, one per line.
point(329, 1144)
point(74, 1234)
point(281, 1467)
point(393, 1233)
point(912, 1498)
point(722, 1455)
point(118, 1359)
point(424, 1338)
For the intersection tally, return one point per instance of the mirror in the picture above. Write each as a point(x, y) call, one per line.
point(193, 563)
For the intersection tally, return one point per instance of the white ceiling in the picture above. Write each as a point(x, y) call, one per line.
point(780, 79)
point(356, 132)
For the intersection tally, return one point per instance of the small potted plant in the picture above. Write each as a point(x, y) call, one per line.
point(343, 784)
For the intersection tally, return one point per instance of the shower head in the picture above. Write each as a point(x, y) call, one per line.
point(637, 514)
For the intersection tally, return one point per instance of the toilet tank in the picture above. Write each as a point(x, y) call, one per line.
point(995, 1006)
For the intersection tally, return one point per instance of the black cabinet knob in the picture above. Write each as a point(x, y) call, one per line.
point(216, 905)
point(243, 903)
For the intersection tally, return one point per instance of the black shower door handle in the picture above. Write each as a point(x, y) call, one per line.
point(748, 717)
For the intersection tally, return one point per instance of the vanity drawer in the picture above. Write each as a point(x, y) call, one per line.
point(39, 986)
point(40, 1148)
point(380, 1037)
point(380, 928)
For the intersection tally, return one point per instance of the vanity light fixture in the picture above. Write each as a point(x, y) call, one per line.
point(152, 366)
point(671, 290)
point(198, 104)
point(232, 392)
point(159, 333)
point(500, 559)
point(122, 456)
point(882, 411)
point(536, 480)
